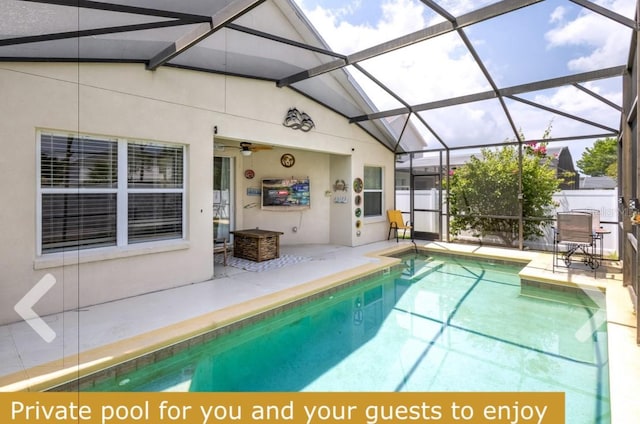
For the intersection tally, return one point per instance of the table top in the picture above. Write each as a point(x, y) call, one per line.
point(256, 233)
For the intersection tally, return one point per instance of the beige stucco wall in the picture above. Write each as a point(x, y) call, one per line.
point(167, 105)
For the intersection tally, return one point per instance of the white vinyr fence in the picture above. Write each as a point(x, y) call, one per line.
point(604, 201)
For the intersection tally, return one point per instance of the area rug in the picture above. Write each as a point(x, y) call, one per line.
point(247, 265)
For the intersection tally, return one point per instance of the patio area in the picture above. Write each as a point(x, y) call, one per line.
point(126, 327)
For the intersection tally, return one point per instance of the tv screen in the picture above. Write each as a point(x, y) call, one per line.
point(286, 193)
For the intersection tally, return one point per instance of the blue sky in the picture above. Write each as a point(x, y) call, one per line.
point(357, 12)
point(513, 45)
point(546, 40)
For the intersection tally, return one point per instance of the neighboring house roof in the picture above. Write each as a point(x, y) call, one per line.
point(457, 158)
point(594, 183)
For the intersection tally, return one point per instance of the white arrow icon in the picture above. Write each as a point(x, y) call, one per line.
point(24, 308)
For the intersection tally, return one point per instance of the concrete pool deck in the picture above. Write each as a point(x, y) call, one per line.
point(97, 337)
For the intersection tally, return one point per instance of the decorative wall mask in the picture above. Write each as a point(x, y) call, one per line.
point(341, 195)
point(298, 120)
point(339, 185)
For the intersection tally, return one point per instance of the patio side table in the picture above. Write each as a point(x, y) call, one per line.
point(256, 245)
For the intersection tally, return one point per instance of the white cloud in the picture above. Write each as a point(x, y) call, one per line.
point(436, 69)
point(349, 8)
point(575, 101)
point(399, 17)
point(460, 7)
point(442, 68)
point(607, 42)
point(431, 70)
point(558, 14)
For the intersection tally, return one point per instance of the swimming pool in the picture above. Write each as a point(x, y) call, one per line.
point(440, 323)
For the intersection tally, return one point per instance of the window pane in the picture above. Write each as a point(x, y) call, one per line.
point(154, 216)
point(78, 221)
point(70, 162)
point(372, 178)
point(372, 203)
point(221, 197)
point(154, 166)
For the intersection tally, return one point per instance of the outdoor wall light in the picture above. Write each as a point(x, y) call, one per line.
point(634, 204)
point(298, 120)
point(245, 149)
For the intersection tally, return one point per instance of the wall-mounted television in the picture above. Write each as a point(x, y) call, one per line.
point(286, 193)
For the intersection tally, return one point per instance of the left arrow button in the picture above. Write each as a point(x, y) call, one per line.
point(24, 308)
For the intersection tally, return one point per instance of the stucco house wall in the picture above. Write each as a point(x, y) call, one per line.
point(174, 106)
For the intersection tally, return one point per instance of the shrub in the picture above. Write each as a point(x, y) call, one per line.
point(488, 186)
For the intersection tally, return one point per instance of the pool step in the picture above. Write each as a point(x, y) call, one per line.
point(589, 297)
point(419, 267)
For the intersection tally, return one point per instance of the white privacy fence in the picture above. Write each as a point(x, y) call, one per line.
point(604, 201)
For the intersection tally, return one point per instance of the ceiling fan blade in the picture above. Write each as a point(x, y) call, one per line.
point(245, 145)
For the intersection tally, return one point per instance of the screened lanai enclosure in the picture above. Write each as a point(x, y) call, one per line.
point(434, 81)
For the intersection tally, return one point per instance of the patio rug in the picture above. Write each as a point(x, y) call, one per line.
point(252, 266)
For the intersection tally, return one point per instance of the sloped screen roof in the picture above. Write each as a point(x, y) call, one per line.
point(416, 75)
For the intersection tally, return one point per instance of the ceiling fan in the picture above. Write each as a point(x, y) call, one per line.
point(247, 148)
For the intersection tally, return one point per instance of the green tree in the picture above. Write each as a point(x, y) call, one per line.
point(596, 160)
point(612, 170)
point(484, 191)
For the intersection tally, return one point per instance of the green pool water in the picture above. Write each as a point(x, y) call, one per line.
point(440, 324)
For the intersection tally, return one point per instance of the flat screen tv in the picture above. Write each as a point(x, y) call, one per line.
point(285, 193)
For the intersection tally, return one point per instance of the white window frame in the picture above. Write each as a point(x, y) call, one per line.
point(122, 193)
point(375, 190)
point(150, 190)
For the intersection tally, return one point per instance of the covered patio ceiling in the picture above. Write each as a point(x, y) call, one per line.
point(381, 86)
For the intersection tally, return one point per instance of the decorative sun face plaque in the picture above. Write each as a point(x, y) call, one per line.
point(287, 160)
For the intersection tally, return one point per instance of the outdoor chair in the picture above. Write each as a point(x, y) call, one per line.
point(396, 223)
point(221, 246)
point(575, 231)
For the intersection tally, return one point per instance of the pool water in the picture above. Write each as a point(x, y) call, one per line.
point(443, 323)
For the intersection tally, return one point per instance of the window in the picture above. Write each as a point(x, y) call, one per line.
point(372, 191)
point(155, 175)
point(84, 202)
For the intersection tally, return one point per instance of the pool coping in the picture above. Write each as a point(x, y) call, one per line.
point(624, 366)
point(164, 341)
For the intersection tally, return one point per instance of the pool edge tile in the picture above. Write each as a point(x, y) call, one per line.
point(50, 375)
